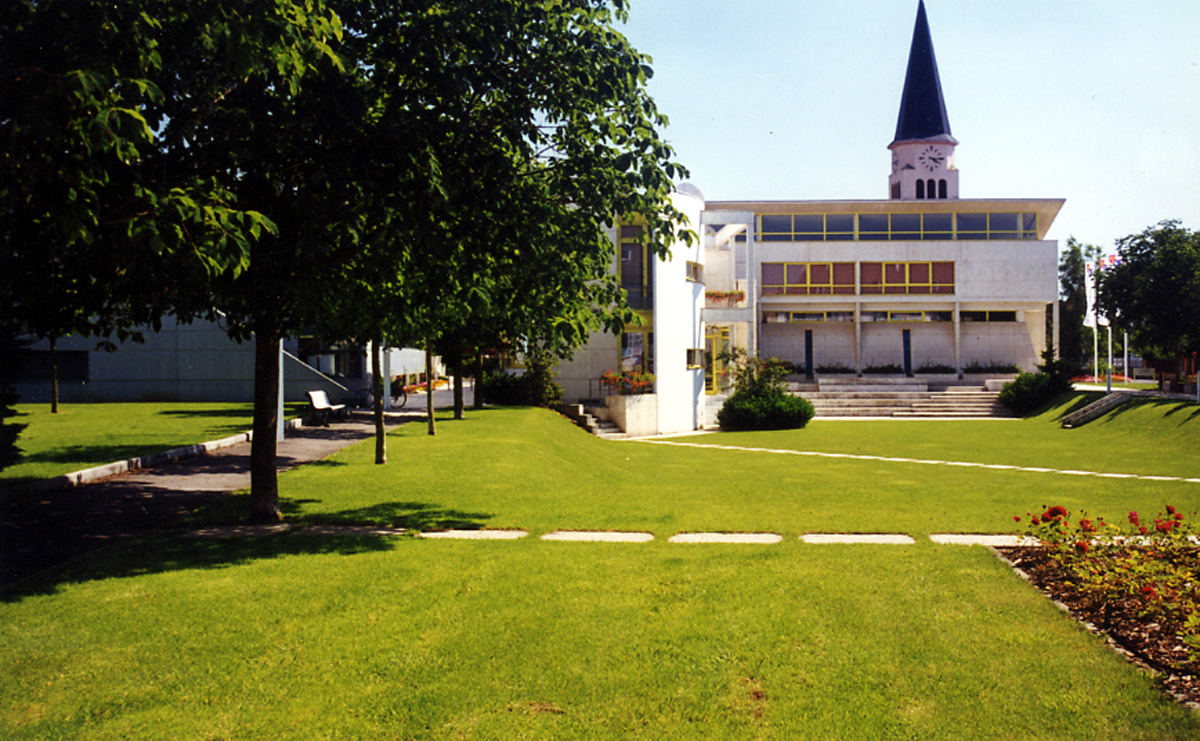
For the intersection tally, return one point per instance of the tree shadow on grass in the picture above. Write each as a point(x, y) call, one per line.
point(164, 553)
point(1173, 407)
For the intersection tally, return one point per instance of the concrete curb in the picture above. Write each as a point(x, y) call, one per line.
point(96, 473)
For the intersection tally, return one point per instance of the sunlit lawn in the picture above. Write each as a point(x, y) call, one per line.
point(312, 637)
point(85, 435)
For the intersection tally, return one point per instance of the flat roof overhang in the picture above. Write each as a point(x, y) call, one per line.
point(1046, 208)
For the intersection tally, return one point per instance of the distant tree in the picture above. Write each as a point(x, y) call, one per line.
point(9, 431)
point(1154, 291)
point(1074, 338)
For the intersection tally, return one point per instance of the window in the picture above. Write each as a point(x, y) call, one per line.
point(907, 278)
point(637, 351)
point(898, 226)
point(987, 316)
point(807, 278)
point(636, 268)
point(695, 358)
point(695, 272)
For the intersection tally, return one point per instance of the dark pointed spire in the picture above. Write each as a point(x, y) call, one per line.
point(922, 109)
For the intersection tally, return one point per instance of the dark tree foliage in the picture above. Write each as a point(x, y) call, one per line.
point(1075, 340)
point(1154, 291)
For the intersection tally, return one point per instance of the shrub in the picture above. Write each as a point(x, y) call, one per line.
point(834, 368)
point(781, 412)
point(527, 389)
point(991, 366)
point(887, 369)
point(759, 400)
point(1029, 391)
point(936, 368)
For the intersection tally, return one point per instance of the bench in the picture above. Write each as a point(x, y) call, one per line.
point(322, 409)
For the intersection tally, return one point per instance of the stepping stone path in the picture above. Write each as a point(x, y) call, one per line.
point(857, 538)
point(588, 536)
point(474, 534)
point(754, 538)
point(995, 541)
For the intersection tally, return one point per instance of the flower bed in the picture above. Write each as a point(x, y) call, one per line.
point(1136, 582)
point(627, 383)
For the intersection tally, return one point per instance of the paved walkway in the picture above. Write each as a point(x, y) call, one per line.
point(41, 529)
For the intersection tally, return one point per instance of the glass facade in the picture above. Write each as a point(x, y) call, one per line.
point(893, 227)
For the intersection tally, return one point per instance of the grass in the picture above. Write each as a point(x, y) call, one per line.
point(85, 435)
point(310, 637)
point(526, 469)
point(428, 640)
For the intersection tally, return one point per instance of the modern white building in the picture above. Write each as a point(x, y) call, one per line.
point(922, 281)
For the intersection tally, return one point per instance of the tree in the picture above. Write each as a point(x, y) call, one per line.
point(1154, 291)
point(1074, 337)
point(91, 234)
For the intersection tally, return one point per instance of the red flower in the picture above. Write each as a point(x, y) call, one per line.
point(1035, 520)
point(1055, 513)
point(1133, 518)
point(1164, 526)
point(1179, 517)
point(1087, 526)
point(1170, 510)
point(1016, 518)
point(1143, 530)
point(1148, 590)
point(1082, 546)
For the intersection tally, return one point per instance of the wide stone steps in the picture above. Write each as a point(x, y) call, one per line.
point(902, 400)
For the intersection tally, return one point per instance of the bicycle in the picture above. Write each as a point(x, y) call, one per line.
point(365, 398)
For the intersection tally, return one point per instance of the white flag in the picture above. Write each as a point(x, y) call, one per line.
point(1089, 287)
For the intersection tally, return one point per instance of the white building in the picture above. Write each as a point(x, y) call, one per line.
point(924, 280)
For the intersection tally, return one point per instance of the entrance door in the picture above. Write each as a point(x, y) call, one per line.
point(716, 342)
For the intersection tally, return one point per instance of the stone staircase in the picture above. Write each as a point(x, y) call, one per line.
point(898, 397)
point(591, 419)
point(1096, 409)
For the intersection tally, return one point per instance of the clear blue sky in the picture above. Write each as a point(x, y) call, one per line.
point(1094, 101)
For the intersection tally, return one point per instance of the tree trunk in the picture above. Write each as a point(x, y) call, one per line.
point(429, 388)
point(458, 388)
point(54, 375)
point(377, 392)
point(264, 487)
point(478, 390)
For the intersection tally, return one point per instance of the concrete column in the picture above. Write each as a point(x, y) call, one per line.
point(858, 337)
point(957, 341)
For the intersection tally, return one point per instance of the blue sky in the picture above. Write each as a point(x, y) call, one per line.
point(1094, 101)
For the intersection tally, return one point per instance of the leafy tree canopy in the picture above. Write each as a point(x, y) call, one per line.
point(1154, 291)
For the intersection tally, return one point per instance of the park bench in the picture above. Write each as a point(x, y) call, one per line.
point(322, 409)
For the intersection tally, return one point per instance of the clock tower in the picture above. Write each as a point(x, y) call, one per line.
point(923, 151)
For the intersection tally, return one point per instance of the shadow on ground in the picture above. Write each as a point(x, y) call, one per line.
point(163, 553)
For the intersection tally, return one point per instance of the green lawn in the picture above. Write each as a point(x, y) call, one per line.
point(85, 435)
point(532, 470)
point(308, 637)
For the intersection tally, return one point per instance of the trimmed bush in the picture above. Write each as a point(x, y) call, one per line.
point(1029, 391)
point(527, 389)
point(759, 400)
point(774, 412)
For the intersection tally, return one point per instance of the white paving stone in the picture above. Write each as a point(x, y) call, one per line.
point(474, 534)
point(874, 538)
point(997, 541)
point(592, 536)
point(754, 538)
point(350, 530)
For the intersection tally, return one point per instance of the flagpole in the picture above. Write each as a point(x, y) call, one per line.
point(1110, 358)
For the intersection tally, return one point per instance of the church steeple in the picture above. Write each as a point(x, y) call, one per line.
point(922, 107)
point(923, 150)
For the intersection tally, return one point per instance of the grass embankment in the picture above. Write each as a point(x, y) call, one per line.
point(298, 636)
point(85, 435)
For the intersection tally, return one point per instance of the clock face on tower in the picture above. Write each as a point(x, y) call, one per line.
point(931, 158)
